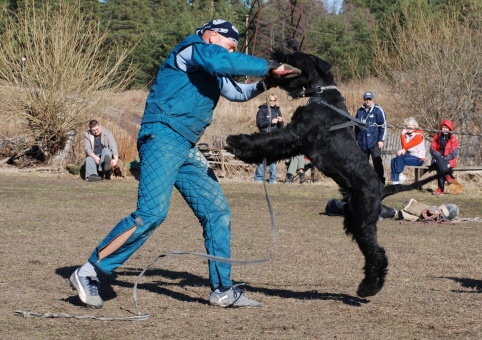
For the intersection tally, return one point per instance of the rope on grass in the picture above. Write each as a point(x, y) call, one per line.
point(71, 316)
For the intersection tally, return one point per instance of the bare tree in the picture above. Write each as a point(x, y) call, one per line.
point(56, 69)
point(433, 62)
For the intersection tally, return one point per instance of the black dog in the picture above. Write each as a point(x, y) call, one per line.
point(334, 152)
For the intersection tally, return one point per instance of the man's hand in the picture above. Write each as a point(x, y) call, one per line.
point(114, 161)
point(401, 152)
point(285, 70)
point(380, 144)
point(96, 159)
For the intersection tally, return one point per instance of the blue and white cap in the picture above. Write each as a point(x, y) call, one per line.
point(368, 95)
point(223, 27)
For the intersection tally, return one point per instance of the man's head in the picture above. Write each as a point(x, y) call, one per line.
point(368, 98)
point(95, 128)
point(220, 32)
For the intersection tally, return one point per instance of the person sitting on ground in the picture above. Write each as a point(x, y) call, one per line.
point(296, 165)
point(446, 145)
point(101, 151)
point(265, 126)
point(411, 153)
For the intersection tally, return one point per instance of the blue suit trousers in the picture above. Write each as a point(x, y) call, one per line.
point(169, 160)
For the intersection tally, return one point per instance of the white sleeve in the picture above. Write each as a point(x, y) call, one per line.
point(184, 60)
point(230, 92)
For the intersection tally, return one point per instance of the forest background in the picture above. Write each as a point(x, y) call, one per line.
point(66, 62)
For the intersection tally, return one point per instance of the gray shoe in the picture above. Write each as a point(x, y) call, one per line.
point(234, 297)
point(94, 178)
point(87, 289)
point(106, 163)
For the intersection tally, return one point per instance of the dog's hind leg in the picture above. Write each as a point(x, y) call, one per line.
point(360, 222)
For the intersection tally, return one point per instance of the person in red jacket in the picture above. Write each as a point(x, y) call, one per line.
point(445, 144)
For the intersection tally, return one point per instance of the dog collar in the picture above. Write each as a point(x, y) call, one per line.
point(320, 89)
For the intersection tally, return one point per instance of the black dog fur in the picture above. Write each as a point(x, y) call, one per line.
point(335, 153)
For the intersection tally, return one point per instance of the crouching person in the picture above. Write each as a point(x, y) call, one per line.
point(101, 151)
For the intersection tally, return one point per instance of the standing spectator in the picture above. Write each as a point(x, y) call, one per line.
point(446, 145)
point(265, 126)
point(412, 151)
point(101, 151)
point(178, 109)
point(371, 139)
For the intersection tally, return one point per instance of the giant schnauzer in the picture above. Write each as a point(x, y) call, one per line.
point(322, 131)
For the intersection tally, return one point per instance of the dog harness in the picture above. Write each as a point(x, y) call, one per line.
point(315, 97)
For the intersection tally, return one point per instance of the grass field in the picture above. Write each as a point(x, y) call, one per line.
point(52, 222)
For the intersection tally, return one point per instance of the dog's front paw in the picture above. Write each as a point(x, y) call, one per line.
point(369, 287)
point(239, 145)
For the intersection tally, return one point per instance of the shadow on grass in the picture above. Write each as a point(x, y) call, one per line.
point(168, 278)
point(474, 285)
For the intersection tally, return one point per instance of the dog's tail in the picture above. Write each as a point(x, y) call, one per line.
point(396, 188)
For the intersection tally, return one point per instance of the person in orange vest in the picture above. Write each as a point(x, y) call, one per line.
point(412, 151)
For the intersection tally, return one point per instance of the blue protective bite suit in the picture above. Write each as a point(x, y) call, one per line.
point(178, 109)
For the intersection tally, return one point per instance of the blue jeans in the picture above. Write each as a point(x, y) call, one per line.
point(169, 160)
point(259, 176)
point(91, 167)
point(399, 162)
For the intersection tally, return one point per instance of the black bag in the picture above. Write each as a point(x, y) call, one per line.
point(335, 207)
point(387, 212)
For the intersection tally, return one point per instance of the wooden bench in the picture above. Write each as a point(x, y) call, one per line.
point(422, 169)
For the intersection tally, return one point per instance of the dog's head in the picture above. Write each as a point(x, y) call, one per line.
point(314, 71)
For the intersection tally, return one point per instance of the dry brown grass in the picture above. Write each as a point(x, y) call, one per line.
point(433, 289)
point(56, 71)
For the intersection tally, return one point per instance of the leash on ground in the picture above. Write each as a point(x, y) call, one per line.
point(141, 316)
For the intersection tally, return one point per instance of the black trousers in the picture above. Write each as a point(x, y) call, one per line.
point(376, 154)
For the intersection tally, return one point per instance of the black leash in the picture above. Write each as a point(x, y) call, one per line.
point(315, 97)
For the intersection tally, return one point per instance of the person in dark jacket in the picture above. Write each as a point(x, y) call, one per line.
point(371, 138)
point(178, 109)
point(265, 125)
point(445, 144)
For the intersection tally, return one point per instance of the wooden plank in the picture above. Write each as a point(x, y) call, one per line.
point(457, 168)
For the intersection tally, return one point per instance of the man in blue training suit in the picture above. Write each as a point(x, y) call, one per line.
point(178, 109)
point(371, 138)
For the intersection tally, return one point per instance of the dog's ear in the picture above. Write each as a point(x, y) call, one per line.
point(278, 54)
point(323, 66)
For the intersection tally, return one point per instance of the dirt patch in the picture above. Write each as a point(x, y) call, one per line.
point(51, 223)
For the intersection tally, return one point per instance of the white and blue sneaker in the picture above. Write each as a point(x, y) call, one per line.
point(87, 289)
point(233, 297)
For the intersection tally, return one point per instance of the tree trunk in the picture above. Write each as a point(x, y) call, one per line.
point(60, 158)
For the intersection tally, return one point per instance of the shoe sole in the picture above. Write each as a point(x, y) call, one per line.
point(232, 306)
point(107, 161)
point(75, 285)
